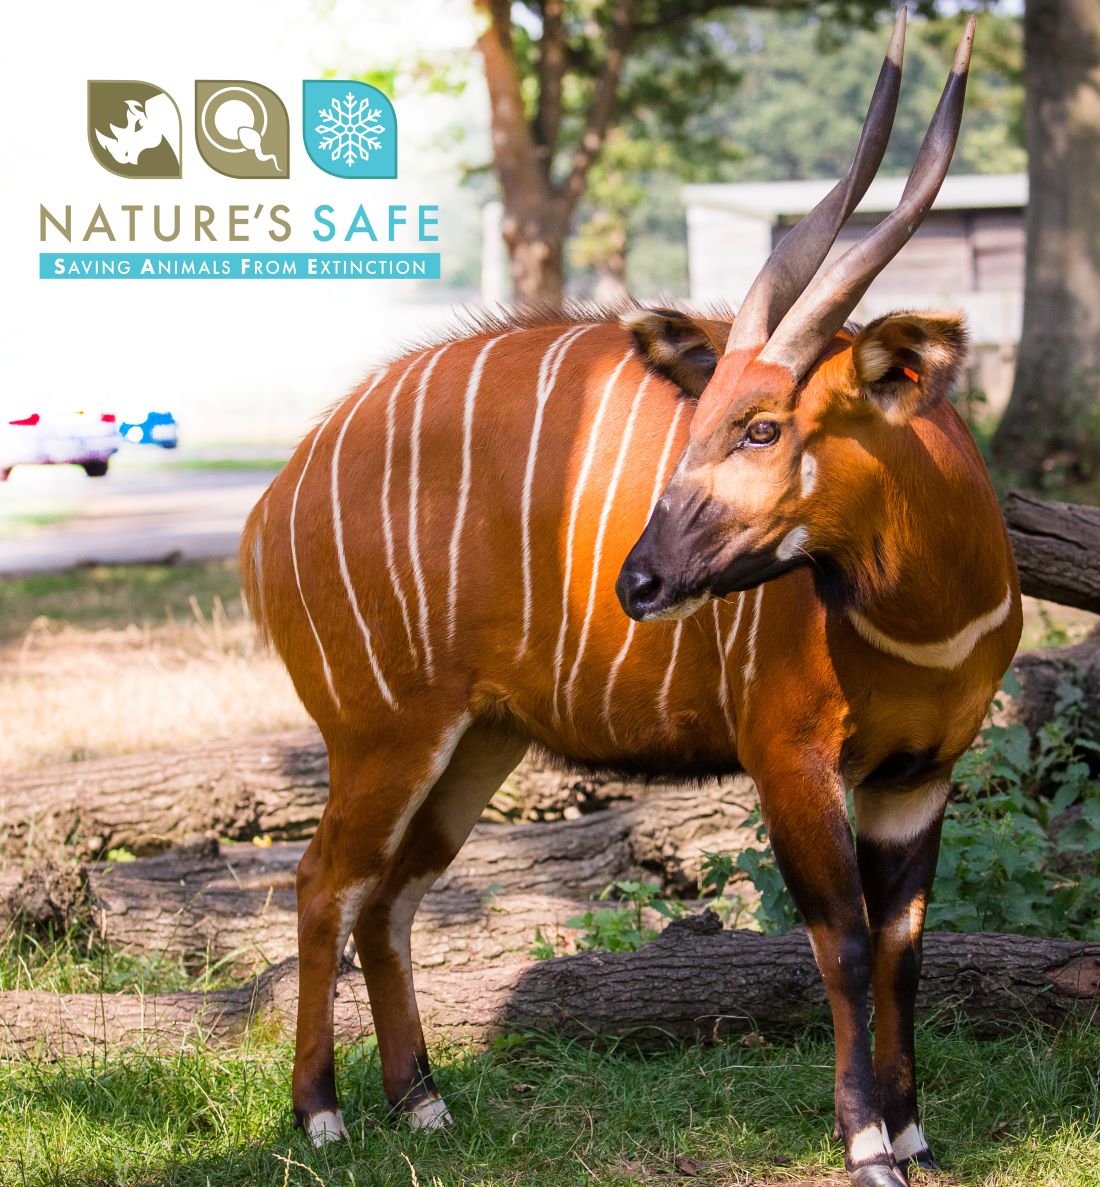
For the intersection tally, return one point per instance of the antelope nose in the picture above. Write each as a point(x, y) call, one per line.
point(639, 591)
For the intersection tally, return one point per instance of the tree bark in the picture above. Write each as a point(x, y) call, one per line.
point(237, 903)
point(1057, 547)
point(1052, 410)
point(273, 784)
point(1040, 672)
point(270, 784)
point(693, 981)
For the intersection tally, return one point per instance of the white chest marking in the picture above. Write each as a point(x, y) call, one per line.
point(574, 515)
point(946, 654)
point(341, 554)
point(548, 375)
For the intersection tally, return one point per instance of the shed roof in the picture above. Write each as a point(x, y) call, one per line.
point(773, 200)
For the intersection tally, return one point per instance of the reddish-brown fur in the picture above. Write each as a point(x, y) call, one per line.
point(795, 695)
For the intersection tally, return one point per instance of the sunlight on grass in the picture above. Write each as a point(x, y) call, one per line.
point(118, 659)
point(548, 1112)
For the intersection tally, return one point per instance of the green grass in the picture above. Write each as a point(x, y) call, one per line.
point(113, 596)
point(1019, 1110)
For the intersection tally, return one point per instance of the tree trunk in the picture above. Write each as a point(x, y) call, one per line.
point(536, 251)
point(693, 981)
point(1053, 406)
point(239, 788)
point(1040, 673)
point(237, 903)
point(269, 784)
point(1057, 547)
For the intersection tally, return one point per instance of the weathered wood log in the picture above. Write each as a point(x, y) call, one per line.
point(239, 788)
point(693, 981)
point(236, 903)
point(1057, 548)
point(1040, 672)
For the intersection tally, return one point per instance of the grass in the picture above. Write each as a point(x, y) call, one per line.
point(545, 1111)
point(116, 659)
point(219, 464)
point(114, 597)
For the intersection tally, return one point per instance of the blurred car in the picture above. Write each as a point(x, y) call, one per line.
point(42, 439)
point(158, 428)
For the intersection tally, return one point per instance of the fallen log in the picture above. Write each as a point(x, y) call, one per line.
point(1057, 548)
point(1040, 672)
point(694, 981)
point(236, 903)
point(266, 785)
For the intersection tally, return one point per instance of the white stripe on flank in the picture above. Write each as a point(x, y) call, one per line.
point(749, 671)
point(472, 386)
point(548, 374)
point(341, 555)
point(294, 558)
point(658, 484)
point(387, 525)
point(574, 515)
point(414, 502)
point(666, 686)
point(723, 676)
point(947, 654)
point(597, 552)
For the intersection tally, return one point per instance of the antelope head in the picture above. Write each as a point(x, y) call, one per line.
point(789, 438)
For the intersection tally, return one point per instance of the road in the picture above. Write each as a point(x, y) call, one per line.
point(146, 510)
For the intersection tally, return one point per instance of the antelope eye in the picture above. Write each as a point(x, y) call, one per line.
point(762, 432)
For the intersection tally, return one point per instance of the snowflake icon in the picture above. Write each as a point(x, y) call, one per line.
point(350, 129)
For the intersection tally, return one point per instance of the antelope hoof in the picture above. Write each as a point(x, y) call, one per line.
point(429, 1114)
point(877, 1175)
point(922, 1161)
point(327, 1127)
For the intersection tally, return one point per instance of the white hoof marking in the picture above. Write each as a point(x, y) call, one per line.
point(429, 1114)
point(870, 1142)
point(910, 1141)
point(326, 1127)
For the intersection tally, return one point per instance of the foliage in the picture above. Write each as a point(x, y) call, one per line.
point(1016, 1111)
point(787, 103)
point(1021, 836)
point(1015, 859)
point(622, 928)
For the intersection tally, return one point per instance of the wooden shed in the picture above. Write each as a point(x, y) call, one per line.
point(968, 255)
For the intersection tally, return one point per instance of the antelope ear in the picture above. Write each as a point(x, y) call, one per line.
point(685, 349)
point(905, 362)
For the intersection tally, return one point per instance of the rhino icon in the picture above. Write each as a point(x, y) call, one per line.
point(134, 128)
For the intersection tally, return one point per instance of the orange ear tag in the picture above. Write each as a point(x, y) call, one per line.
point(911, 374)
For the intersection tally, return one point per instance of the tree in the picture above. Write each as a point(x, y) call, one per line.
point(790, 106)
point(1053, 415)
point(555, 72)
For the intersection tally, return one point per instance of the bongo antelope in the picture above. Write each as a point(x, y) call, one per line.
point(819, 588)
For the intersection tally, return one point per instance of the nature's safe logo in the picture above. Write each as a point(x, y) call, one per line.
point(354, 129)
point(242, 129)
point(134, 128)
